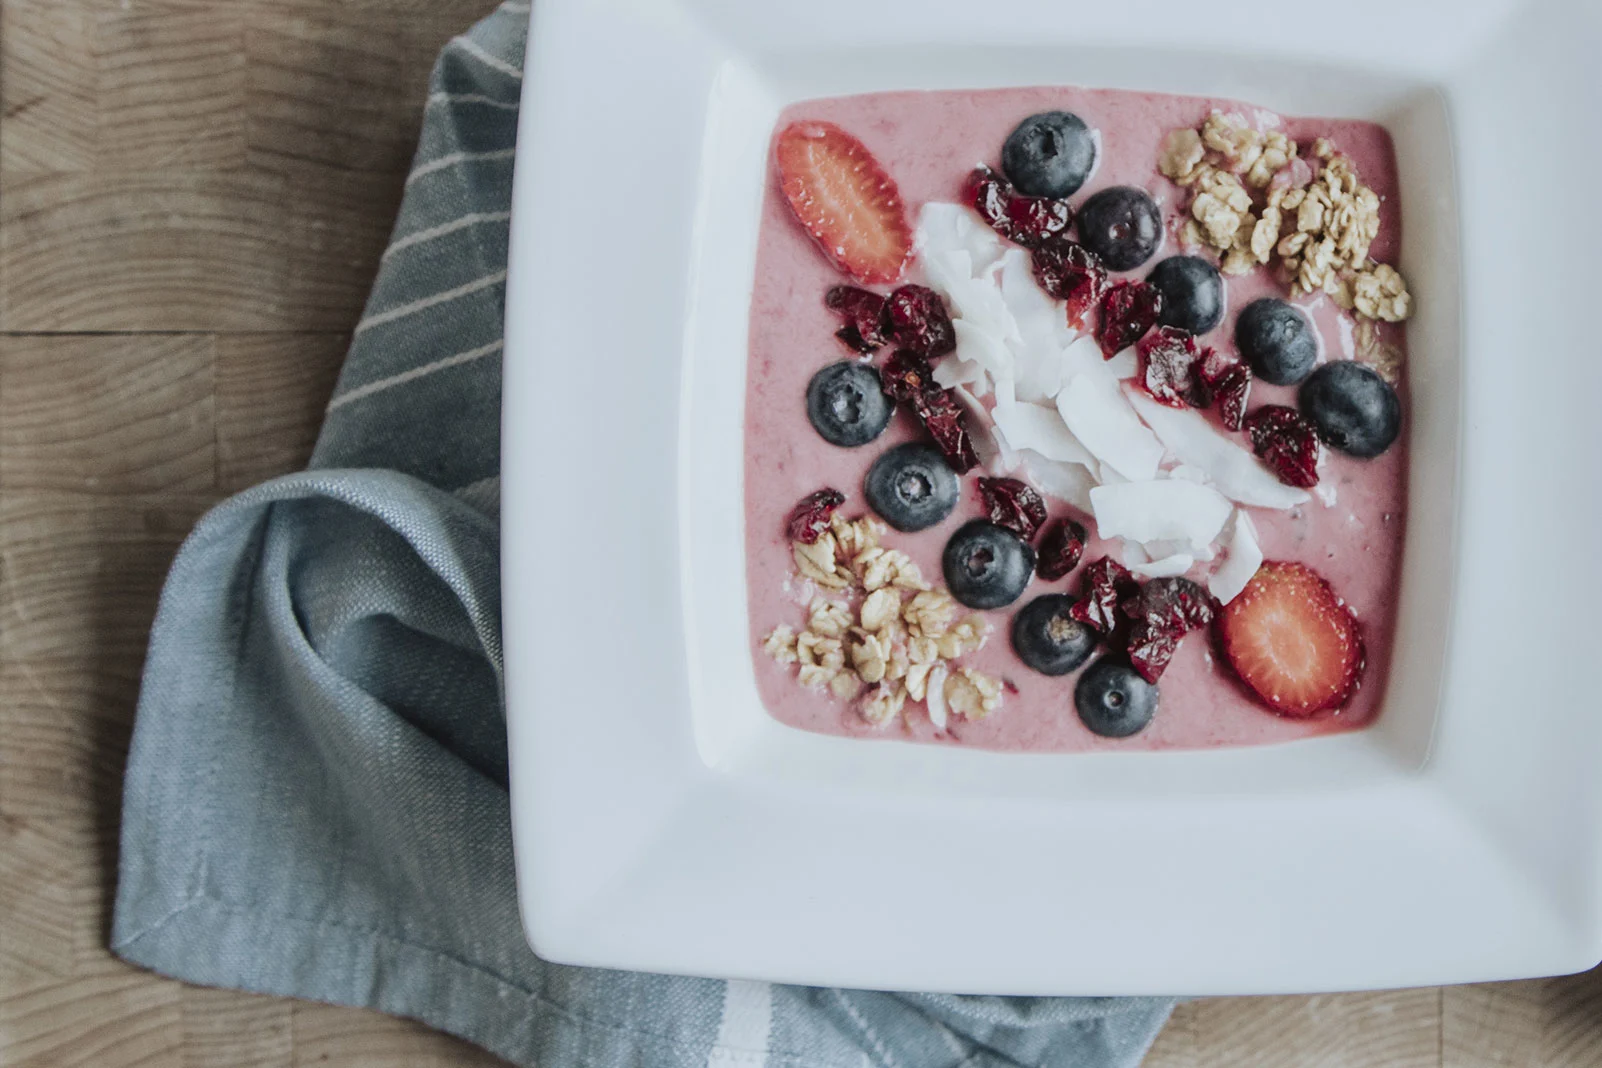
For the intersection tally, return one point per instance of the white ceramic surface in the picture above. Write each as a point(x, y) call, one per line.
point(664, 822)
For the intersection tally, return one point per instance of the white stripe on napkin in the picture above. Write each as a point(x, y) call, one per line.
point(444, 297)
point(416, 372)
point(747, 1019)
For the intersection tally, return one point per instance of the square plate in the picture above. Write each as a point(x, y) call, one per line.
point(664, 822)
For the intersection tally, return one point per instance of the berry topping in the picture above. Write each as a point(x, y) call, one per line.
point(1286, 442)
point(845, 200)
point(1071, 273)
point(1061, 547)
point(1164, 611)
point(1128, 310)
point(987, 566)
point(1122, 225)
point(1030, 221)
point(1228, 384)
point(1193, 293)
point(1113, 700)
point(915, 317)
point(905, 376)
point(1047, 637)
point(846, 404)
point(1035, 222)
point(1106, 584)
point(1049, 155)
point(989, 192)
point(810, 517)
point(1014, 505)
point(1278, 340)
point(911, 487)
point(1168, 368)
point(1352, 407)
point(1292, 641)
point(861, 310)
point(942, 415)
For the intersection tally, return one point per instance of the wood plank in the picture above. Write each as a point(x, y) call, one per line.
point(355, 1038)
point(118, 1018)
point(82, 575)
point(107, 415)
point(340, 87)
point(1538, 1023)
point(294, 249)
point(229, 1029)
point(1387, 1029)
point(92, 84)
point(271, 392)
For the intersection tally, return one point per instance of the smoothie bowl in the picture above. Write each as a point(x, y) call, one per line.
point(1277, 543)
point(1158, 352)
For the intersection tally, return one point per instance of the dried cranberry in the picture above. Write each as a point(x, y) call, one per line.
point(1128, 310)
point(905, 376)
point(1231, 392)
point(1150, 650)
point(1014, 505)
point(1162, 613)
point(1034, 222)
point(810, 518)
point(861, 309)
point(1071, 273)
point(989, 194)
point(1061, 546)
point(1286, 442)
point(1168, 368)
point(916, 318)
point(943, 417)
point(1106, 585)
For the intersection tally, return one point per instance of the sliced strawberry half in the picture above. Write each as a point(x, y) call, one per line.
point(1291, 641)
point(845, 200)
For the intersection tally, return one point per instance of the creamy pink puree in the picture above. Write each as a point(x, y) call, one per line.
point(928, 141)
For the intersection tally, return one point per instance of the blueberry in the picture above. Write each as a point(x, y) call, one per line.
point(1113, 700)
point(1354, 409)
point(1048, 639)
point(1049, 155)
point(912, 487)
point(846, 405)
point(987, 566)
point(1277, 340)
point(1122, 225)
point(1193, 293)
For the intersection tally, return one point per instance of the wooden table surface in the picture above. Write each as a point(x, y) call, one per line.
point(193, 198)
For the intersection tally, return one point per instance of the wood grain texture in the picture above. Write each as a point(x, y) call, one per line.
point(207, 185)
point(271, 393)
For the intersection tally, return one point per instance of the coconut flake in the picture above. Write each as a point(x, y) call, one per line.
point(983, 346)
point(989, 443)
point(1243, 557)
point(950, 228)
point(953, 372)
point(1098, 414)
point(1043, 332)
point(1160, 509)
point(1230, 469)
point(1125, 364)
point(1082, 354)
point(1167, 567)
point(1064, 481)
point(1030, 426)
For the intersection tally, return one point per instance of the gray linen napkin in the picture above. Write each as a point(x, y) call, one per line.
point(316, 797)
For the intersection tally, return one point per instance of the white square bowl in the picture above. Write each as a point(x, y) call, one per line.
point(664, 822)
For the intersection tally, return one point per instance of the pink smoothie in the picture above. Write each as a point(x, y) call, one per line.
point(929, 141)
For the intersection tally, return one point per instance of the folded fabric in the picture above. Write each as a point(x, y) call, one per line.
point(316, 800)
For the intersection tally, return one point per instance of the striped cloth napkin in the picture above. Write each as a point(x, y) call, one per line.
point(316, 804)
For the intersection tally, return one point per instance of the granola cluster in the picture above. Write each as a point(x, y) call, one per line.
point(1254, 198)
point(885, 637)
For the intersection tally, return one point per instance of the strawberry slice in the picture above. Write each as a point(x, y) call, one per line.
point(1292, 641)
point(845, 200)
